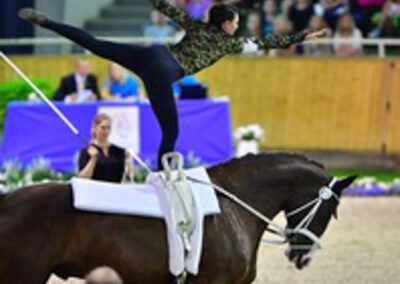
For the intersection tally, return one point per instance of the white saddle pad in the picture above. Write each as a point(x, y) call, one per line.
point(143, 200)
point(136, 199)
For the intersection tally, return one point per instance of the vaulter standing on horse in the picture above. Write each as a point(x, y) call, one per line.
point(159, 66)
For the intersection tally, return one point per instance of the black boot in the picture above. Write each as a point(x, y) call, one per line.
point(33, 16)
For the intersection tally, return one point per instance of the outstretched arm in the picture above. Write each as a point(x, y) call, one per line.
point(284, 41)
point(176, 14)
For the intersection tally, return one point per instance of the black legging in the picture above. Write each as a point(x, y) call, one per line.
point(155, 66)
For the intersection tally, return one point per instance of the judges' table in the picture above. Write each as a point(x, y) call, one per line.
point(33, 130)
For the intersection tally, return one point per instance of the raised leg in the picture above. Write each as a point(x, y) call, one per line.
point(132, 57)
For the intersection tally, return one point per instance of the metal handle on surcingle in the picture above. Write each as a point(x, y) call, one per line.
point(172, 161)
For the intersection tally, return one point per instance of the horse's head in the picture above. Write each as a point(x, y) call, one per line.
point(308, 219)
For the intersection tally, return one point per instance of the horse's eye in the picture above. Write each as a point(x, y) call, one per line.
point(293, 238)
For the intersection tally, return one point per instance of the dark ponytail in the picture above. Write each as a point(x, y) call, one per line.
point(220, 13)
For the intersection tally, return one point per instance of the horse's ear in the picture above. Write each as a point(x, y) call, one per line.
point(342, 184)
point(339, 186)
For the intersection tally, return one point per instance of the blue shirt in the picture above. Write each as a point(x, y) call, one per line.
point(185, 81)
point(128, 89)
point(159, 31)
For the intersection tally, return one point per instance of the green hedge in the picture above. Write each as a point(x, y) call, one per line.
point(20, 90)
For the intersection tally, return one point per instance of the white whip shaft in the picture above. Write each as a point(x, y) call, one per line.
point(40, 93)
point(139, 160)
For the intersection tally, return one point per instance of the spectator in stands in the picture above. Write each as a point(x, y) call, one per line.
point(253, 25)
point(368, 9)
point(300, 14)
point(283, 26)
point(198, 8)
point(244, 5)
point(317, 23)
point(270, 10)
point(120, 86)
point(388, 20)
point(102, 160)
point(159, 27)
point(285, 7)
point(80, 86)
point(103, 275)
point(347, 29)
point(331, 10)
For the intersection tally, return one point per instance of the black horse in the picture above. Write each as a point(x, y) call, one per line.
point(41, 234)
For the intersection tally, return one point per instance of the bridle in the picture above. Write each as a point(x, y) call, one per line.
point(325, 194)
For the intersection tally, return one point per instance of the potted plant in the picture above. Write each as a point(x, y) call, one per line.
point(248, 139)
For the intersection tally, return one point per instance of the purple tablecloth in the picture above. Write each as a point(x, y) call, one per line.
point(33, 130)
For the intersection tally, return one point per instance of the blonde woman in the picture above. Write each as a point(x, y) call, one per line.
point(120, 86)
point(103, 160)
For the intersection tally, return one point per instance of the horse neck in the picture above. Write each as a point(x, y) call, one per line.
point(269, 203)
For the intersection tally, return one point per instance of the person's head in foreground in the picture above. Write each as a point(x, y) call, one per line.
point(103, 275)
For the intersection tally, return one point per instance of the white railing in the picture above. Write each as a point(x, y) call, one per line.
point(380, 43)
point(62, 41)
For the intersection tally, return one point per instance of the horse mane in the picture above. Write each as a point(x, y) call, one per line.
point(272, 158)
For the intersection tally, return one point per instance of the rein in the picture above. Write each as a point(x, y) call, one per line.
point(325, 193)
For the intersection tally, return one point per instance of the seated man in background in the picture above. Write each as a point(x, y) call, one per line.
point(80, 86)
point(120, 86)
point(159, 27)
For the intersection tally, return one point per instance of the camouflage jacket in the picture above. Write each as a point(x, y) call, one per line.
point(204, 44)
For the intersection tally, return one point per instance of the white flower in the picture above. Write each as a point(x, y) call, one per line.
point(366, 182)
point(256, 130)
point(249, 132)
point(383, 185)
point(240, 132)
point(11, 166)
point(32, 97)
point(396, 182)
point(3, 188)
point(28, 177)
point(3, 177)
point(39, 164)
